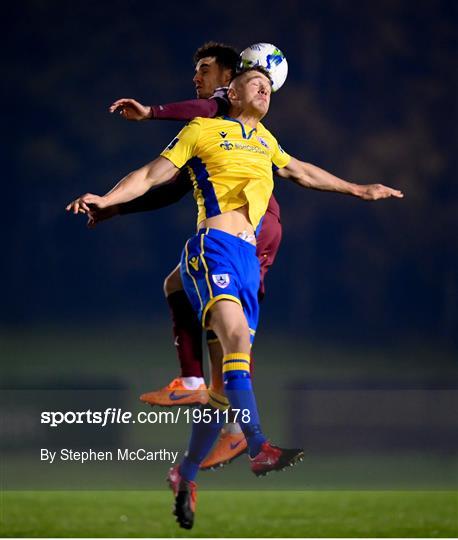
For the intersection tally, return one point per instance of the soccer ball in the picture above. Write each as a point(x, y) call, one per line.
point(269, 57)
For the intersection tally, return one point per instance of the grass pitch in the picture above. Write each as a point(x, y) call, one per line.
point(231, 513)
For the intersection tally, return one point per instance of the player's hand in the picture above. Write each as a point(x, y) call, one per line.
point(374, 192)
point(83, 204)
point(96, 215)
point(131, 109)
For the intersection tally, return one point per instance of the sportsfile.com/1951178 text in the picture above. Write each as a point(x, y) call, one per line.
point(113, 415)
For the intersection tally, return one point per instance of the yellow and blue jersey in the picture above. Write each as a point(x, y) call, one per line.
point(230, 165)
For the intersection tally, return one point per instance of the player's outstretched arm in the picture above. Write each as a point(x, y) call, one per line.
point(312, 177)
point(154, 199)
point(136, 183)
point(130, 109)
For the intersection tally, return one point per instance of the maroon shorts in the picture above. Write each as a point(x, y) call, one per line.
point(268, 241)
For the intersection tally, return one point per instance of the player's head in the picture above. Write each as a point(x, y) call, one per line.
point(250, 90)
point(215, 65)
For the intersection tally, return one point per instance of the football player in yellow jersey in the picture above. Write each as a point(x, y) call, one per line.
point(219, 267)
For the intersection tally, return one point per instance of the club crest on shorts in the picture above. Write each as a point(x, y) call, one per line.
point(222, 280)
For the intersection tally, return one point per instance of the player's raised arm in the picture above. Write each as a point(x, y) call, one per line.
point(312, 177)
point(136, 183)
point(130, 109)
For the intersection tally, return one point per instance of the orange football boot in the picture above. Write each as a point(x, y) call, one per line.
point(228, 447)
point(175, 394)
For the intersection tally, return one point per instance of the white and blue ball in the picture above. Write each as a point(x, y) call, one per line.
point(269, 57)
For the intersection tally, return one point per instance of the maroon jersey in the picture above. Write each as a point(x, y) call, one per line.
point(268, 241)
point(216, 105)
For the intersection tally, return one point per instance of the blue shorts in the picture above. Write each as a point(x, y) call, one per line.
point(216, 265)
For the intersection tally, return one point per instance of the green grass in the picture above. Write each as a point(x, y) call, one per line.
point(229, 514)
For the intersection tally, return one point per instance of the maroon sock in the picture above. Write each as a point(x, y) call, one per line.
point(187, 333)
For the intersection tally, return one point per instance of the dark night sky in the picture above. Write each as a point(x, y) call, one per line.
point(371, 97)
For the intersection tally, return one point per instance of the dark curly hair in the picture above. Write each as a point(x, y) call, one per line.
point(226, 56)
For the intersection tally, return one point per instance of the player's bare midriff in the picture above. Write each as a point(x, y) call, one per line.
point(235, 222)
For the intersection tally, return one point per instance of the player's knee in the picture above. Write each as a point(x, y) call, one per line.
point(230, 325)
point(173, 283)
point(237, 337)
